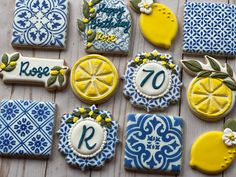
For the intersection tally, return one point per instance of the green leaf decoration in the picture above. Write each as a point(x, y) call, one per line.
point(134, 5)
point(81, 25)
point(213, 63)
point(229, 70)
point(5, 59)
point(91, 37)
point(15, 57)
point(93, 15)
point(94, 2)
point(86, 9)
point(109, 125)
point(69, 120)
point(204, 74)
point(58, 68)
point(230, 123)
point(76, 114)
point(61, 79)
point(9, 68)
point(51, 80)
point(220, 75)
point(192, 65)
point(230, 84)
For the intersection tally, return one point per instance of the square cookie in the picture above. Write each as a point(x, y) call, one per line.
point(209, 28)
point(153, 143)
point(40, 23)
point(26, 128)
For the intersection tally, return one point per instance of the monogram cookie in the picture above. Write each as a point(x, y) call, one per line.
point(50, 73)
point(152, 81)
point(211, 94)
point(105, 26)
point(88, 137)
point(157, 22)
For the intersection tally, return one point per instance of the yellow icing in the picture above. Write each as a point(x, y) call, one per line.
point(94, 78)
point(160, 27)
point(209, 98)
point(210, 155)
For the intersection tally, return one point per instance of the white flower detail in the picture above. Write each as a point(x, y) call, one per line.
point(145, 6)
point(229, 137)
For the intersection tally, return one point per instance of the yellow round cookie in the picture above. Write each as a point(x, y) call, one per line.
point(209, 98)
point(160, 26)
point(94, 78)
point(210, 155)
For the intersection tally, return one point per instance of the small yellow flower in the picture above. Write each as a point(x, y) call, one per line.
point(147, 54)
point(75, 119)
point(162, 57)
point(163, 62)
point(92, 10)
point(108, 119)
point(144, 60)
point(85, 20)
point(90, 4)
point(2, 66)
point(13, 63)
point(54, 72)
point(155, 53)
point(91, 113)
point(81, 110)
point(136, 59)
point(89, 32)
point(62, 71)
point(99, 118)
point(171, 65)
point(89, 44)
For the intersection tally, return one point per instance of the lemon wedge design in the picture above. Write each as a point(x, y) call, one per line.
point(209, 98)
point(94, 78)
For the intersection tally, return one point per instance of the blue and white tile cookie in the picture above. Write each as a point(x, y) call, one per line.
point(40, 24)
point(209, 28)
point(26, 128)
point(88, 137)
point(152, 81)
point(153, 143)
point(105, 26)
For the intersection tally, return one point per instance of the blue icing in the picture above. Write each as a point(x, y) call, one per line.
point(40, 23)
point(153, 142)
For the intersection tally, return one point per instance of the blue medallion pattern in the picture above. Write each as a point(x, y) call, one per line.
point(154, 143)
point(96, 161)
point(40, 23)
point(25, 129)
point(209, 28)
point(137, 99)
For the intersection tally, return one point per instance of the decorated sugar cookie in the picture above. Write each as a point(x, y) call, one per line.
point(154, 143)
point(158, 23)
point(211, 94)
point(152, 81)
point(105, 26)
point(94, 78)
point(213, 152)
point(88, 137)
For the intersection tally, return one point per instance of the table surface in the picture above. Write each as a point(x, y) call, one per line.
point(56, 166)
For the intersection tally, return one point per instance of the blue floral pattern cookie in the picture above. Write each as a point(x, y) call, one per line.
point(26, 128)
point(40, 23)
point(154, 143)
point(152, 81)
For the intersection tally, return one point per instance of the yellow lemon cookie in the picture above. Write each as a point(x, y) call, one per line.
point(94, 78)
point(211, 94)
point(158, 23)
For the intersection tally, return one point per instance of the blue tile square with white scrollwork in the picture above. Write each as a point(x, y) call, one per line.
point(40, 23)
point(209, 28)
point(154, 143)
point(26, 128)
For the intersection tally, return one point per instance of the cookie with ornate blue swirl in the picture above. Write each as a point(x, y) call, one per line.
point(154, 143)
point(151, 81)
point(88, 137)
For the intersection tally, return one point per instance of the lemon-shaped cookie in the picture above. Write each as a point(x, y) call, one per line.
point(94, 78)
point(210, 154)
point(160, 26)
point(209, 98)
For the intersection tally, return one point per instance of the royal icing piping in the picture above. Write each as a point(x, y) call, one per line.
point(145, 6)
point(229, 137)
point(150, 79)
point(211, 94)
point(16, 68)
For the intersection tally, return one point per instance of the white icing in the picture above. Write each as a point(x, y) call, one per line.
point(98, 139)
point(229, 137)
point(147, 89)
point(145, 6)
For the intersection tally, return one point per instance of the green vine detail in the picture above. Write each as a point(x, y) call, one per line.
point(8, 63)
point(89, 12)
point(215, 70)
point(102, 118)
point(134, 5)
point(56, 73)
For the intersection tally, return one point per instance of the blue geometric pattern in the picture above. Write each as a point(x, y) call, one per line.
point(40, 23)
point(96, 161)
point(26, 128)
point(209, 28)
point(153, 143)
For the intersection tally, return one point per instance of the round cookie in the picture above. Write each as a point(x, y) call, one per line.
point(211, 94)
point(94, 78)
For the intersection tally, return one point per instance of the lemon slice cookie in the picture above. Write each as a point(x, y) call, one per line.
point(94, 78)
point(211, 94)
